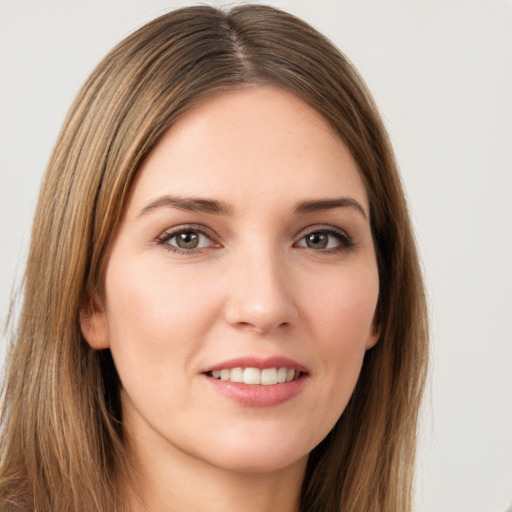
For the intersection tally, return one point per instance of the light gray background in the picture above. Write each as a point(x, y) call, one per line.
point(441, 72)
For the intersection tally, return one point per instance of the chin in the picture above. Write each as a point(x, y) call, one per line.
point(258, 453)
point(252, 463)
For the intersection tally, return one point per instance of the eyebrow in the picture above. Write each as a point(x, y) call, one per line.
point(213, 206)
point(328, 204)
point(189, 204)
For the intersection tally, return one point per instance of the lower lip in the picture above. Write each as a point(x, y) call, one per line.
point(254, 395)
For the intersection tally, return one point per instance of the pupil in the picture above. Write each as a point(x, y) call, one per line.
point(188, 240)
point(317, 240)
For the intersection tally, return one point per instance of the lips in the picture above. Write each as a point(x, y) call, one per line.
point(258, 382)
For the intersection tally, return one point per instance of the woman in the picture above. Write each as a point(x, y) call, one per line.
point(223, 307)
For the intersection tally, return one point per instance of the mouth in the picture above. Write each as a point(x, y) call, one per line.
point(258, 382)
point(257, 376)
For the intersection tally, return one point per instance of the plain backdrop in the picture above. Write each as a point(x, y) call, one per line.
point(441, 73)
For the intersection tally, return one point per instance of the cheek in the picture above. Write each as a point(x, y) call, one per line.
point(344, 305)
point(155, 315)
point(342, 315)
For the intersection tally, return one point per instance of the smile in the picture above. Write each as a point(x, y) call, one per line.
point(256, 376)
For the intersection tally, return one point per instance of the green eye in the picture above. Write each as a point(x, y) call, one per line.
point(328, 239)
point(187, 240)
point(317, 240)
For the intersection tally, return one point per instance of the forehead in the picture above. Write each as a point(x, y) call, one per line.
point(260, 142)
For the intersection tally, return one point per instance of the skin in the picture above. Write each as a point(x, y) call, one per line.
point(255, 286)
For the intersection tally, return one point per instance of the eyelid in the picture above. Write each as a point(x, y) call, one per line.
point(170, 233)
point(346, 241)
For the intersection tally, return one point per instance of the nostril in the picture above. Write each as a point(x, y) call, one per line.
point(261, 326)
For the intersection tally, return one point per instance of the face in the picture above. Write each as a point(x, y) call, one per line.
point(241, 289)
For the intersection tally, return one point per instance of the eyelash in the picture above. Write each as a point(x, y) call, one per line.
point(165, 237)
point(345, 242)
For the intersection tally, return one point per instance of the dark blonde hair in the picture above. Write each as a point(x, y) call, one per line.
point(62, 446)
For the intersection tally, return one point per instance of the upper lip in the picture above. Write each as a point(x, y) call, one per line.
point(257, 362)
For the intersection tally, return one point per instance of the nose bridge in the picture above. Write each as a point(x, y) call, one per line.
point(261, 297)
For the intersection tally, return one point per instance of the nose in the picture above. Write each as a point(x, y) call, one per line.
point(261, 297)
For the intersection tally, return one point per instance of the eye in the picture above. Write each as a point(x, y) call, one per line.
point(326, 239)
point(185, 240)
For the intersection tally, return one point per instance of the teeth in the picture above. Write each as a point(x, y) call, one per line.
point(281, 375)
point(237, 375)
point(252, 376)
point(269, 376)
point(265, 377)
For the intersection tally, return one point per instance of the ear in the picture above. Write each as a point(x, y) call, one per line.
point(93, 323)
point(374, 336)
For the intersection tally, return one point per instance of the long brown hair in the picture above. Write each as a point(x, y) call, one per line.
point(62, 445)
